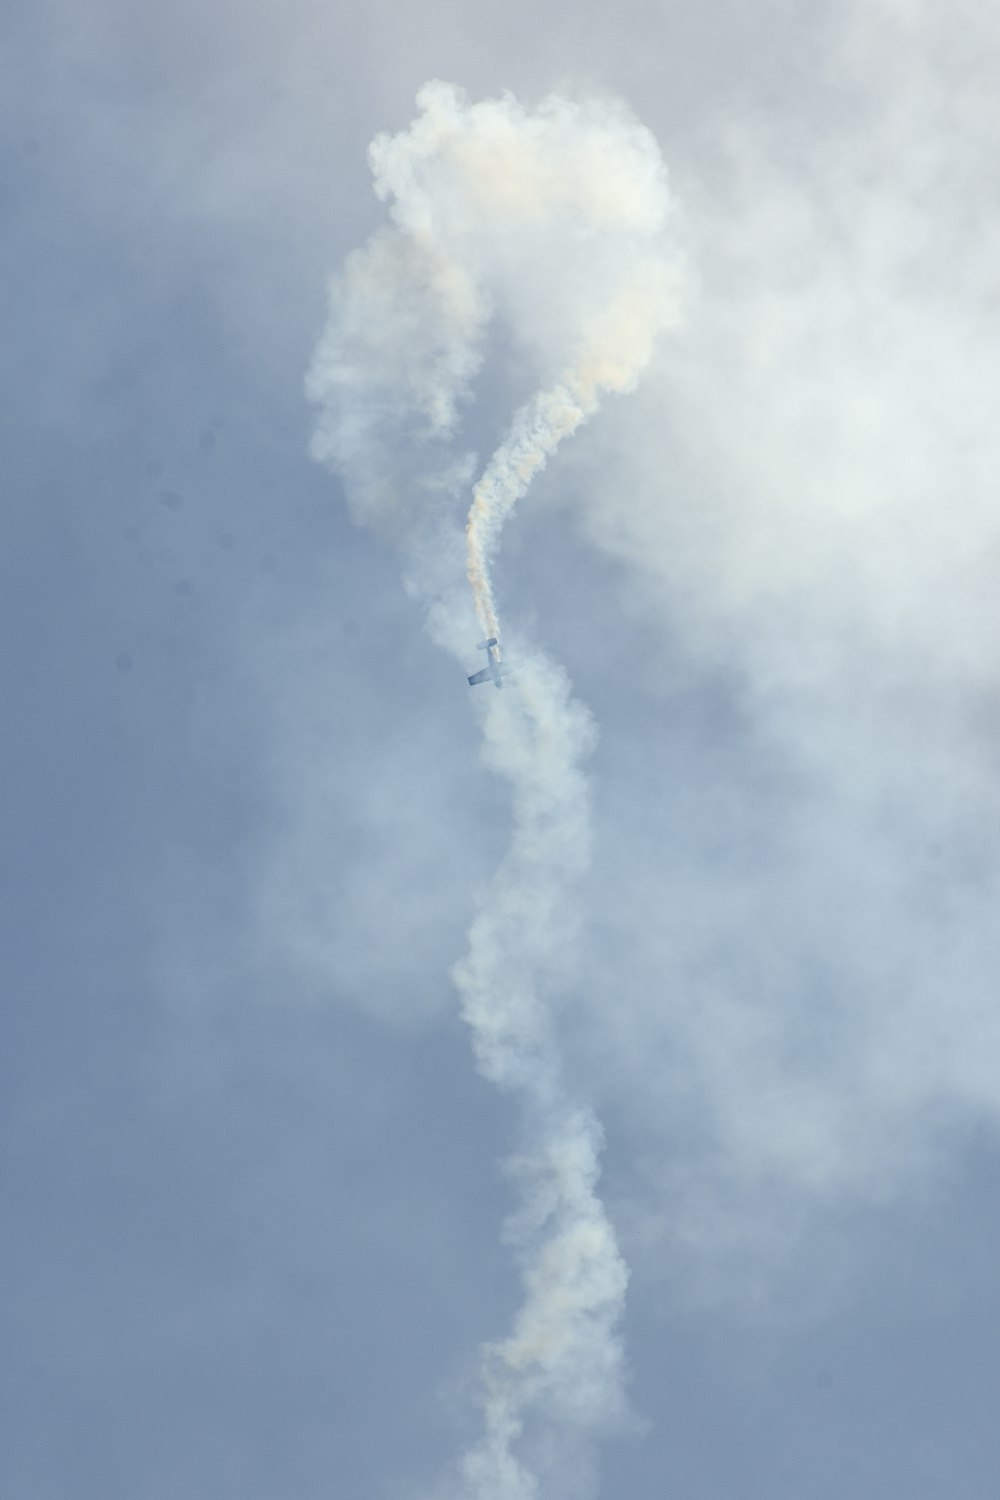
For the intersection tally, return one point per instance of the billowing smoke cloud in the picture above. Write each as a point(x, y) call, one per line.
point(811, 969)
point(538, 239)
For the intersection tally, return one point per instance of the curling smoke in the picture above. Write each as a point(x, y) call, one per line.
point(610, 360)
point(551, 227)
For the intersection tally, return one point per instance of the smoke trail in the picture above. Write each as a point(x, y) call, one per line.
point(550, 225)
point(561, 1365)
point(611, 360)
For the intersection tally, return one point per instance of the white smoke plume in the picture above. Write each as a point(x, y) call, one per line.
point(811, 1021)
point(540, 237)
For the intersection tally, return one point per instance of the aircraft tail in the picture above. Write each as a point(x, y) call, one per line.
point(485, 645)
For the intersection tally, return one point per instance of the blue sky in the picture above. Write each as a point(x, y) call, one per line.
point(253, 1201)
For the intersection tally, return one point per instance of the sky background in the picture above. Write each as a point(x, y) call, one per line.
point(252, 1200)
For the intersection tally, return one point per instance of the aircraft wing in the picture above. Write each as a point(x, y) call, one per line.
point(483, 676)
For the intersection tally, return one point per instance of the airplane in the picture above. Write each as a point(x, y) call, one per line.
point(493, 670)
